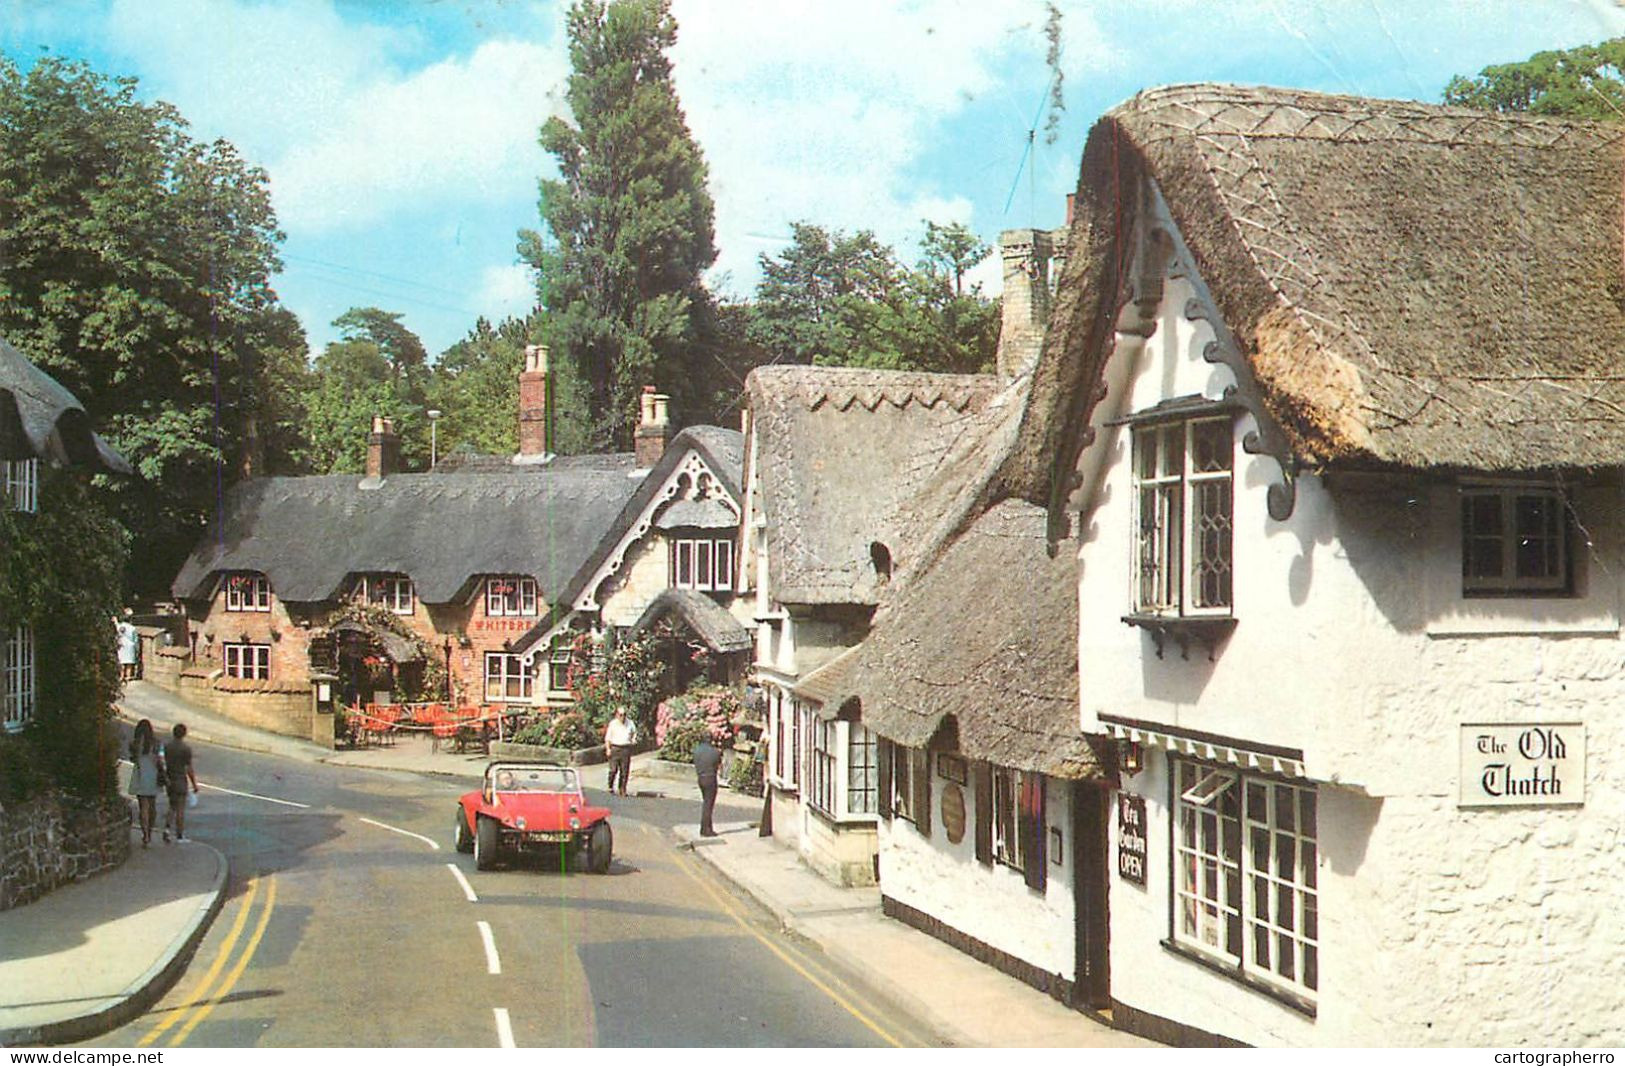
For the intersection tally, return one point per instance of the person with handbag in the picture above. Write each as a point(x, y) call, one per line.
point(146, 777)
point(179, 766)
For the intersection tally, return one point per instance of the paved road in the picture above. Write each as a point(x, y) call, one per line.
point(346, 926)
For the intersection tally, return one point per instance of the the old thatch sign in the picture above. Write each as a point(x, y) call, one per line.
point(1131, 837)
point(1531, 764)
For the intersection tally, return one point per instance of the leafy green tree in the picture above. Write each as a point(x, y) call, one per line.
point(630, 222)
point(1583, 82)
point(134, 267)
point(377, 367)
point(843, 300)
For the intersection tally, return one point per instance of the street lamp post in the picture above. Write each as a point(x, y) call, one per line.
point(434, 436)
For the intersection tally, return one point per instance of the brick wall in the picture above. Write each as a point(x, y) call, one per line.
point(54, 839)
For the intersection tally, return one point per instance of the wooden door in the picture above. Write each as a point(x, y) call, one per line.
point(1090, 807)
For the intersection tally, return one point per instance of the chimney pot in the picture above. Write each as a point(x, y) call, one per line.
point(654, 428)
point(383, 449)
point(535, 418)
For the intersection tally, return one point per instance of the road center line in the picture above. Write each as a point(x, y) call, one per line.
point(504, 1027)
point(492, 963)
point(468, 889)
point(403, 832)
point(255, 796)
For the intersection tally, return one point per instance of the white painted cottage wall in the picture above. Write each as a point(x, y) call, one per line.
point(994, 905)
point(1353, 643)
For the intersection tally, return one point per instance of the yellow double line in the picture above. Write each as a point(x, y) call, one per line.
point(206, 995)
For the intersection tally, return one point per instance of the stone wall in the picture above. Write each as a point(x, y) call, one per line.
point(53, 839)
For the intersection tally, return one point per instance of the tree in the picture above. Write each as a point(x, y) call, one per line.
point(1583, 82)
point(377, 367)
point(630, 221)
point(843, 300)
point(134, 267)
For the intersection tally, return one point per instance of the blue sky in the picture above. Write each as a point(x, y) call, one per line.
point(400, 137)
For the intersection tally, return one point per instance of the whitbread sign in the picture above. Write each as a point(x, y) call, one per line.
point(1529, 765)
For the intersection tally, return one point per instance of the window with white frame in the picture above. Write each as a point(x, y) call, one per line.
point(393, 592)
point(1515, 540)
point(19, 666)
point(1007, 817)
point(786, 741)
point(510, 596)
point(704, 564)
point(824, 755)
point(251, 662)
point(558, 663)
point(248, 592)
point(22, 484)
point(1245, 860)
point(506, 679)
point(1183, 504)
point(862, 770)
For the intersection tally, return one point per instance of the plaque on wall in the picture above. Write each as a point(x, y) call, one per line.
point(1131, 838)
point(1527, 764)
point(951, 768)
point(953, 813)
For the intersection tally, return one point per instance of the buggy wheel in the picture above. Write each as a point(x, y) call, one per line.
point(600, 848)
point(461, 838)
point(485, 843)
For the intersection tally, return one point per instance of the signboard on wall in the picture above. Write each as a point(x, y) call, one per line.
point(1131, 838)
point(1530, 765)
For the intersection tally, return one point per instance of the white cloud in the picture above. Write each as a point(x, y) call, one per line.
point(824, 111)
point(327, 106)
point(458, 130)
point(506, 291)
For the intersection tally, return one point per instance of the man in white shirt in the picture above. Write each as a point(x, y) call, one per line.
point(619, 736)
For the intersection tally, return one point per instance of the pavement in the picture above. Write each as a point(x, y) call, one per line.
point(93, 955)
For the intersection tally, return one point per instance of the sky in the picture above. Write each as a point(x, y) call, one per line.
point(400, 137)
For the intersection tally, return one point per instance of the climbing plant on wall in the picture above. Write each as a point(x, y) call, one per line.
point(61, 571)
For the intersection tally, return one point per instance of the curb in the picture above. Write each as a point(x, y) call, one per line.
point(141, 993)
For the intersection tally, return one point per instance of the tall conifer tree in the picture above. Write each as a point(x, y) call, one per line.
point(630, 220)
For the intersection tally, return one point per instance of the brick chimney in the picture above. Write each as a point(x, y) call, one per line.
point(383, 449)
point(654, 429)
point(1033, 259)
point(535, 417)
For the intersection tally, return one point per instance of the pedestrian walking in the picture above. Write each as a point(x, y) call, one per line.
point(619, 736)
point(146, 777)
point(178, 767)
point(129, 648)
point(707, 761)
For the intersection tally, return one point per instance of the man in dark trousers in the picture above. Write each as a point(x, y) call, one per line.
point(178, 766)
point(707, 761)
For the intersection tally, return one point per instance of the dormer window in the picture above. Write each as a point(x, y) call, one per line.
point(1515, 541)
point(393, 592)
point(248, 592)
point(1183, 516)
point(511, 596)
point(704, 564)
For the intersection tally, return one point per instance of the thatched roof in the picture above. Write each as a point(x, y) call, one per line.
point(41, 419)
point(985, 638)
point(308, 534)
point(722, 450)
point(838, 449)
point(720, 631)
point(1412, 286)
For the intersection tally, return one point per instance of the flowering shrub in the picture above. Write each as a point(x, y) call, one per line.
point(681, 721)
point(559, 729)
point(629, 675)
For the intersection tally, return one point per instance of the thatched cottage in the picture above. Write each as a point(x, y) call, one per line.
point(1332, 401)
point(831, 453)
point(463, 584)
